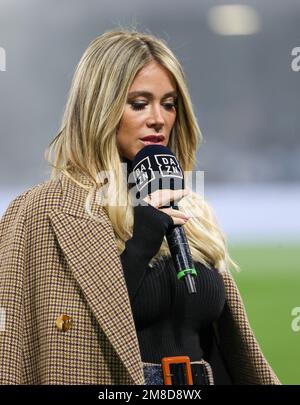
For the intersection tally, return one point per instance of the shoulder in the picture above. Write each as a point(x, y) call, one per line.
point(34, 202)
point(43, 196)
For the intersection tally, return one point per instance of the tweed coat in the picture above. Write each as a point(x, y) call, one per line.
point(55, 260)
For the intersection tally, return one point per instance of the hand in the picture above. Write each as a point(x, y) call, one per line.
point(163, 197)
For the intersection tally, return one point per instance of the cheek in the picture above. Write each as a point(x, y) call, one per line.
point(129, 120)
point(171, 121)
point(127, 129)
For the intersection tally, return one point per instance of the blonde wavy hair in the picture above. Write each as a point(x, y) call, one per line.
point(86, 141)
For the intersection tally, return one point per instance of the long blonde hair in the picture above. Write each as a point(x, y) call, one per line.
point(86, 141)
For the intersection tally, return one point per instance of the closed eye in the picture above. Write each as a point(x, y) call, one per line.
point(140, 106)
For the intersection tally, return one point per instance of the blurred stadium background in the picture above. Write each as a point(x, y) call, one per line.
point(237, 58)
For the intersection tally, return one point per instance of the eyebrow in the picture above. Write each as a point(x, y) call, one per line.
point(150, 95)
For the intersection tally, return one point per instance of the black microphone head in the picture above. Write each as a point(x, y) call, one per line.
point(156, 167)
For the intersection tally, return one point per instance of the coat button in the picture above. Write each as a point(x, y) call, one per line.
point(63, 323)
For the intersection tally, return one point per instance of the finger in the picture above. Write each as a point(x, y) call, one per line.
point(175, 213)
point(179, 221)
point(167, 196)
point(164, 197)
point(178, 217)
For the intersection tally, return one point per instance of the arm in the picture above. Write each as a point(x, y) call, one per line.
point(12, 264)
point(149, 229)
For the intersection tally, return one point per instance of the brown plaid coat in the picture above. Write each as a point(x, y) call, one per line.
point(55, 260)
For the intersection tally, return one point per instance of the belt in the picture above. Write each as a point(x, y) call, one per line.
point(178, 370)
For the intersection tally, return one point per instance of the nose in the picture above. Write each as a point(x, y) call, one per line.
point(155, 119)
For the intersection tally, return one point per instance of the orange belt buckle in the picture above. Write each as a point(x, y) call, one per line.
point(166, 361)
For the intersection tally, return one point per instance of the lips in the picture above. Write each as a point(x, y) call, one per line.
point(153, 138)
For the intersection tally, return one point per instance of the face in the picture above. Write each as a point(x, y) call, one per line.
point(150, 110)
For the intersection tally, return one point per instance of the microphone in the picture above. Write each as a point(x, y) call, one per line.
point(155, 167)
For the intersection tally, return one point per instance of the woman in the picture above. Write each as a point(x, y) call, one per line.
point(87, 284)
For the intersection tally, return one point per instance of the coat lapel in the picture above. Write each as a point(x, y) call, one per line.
point(91, 252)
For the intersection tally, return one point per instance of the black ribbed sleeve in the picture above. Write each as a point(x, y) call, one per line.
point(150, 227)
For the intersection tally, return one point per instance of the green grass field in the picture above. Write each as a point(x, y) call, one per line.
point(269, 283)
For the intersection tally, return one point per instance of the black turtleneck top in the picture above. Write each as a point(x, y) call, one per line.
point(168, 320)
